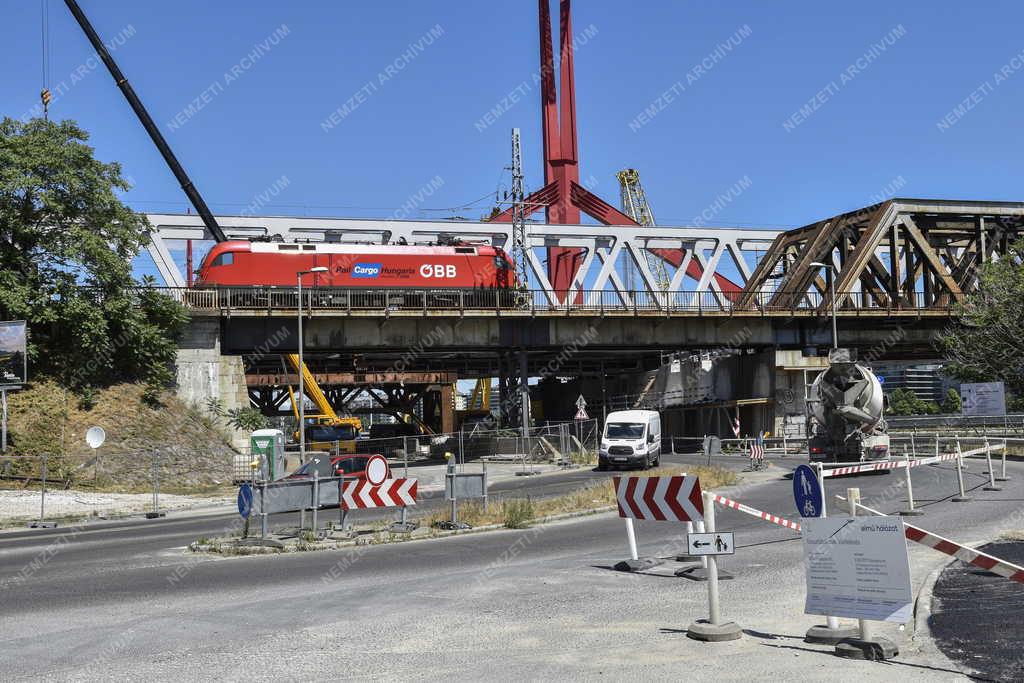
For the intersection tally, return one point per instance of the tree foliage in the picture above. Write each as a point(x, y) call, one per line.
point(952, 402)
point(986, 343)
point(66, 245)
point(905, 402)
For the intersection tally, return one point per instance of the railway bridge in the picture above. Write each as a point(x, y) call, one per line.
point(898, 270)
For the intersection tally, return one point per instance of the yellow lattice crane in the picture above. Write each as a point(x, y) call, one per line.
point(634, 204)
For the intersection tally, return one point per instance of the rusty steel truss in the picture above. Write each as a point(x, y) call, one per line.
point(898, 254)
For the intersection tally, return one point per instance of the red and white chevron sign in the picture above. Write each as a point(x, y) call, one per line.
point(356, 495)
point(665, 499)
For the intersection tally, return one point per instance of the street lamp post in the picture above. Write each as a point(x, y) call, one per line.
point(832, 273)
point(302, 367)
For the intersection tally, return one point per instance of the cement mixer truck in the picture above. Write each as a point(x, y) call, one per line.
point(846, 408)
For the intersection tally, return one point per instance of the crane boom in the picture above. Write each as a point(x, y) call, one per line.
point(313, 390)
point(147, 122)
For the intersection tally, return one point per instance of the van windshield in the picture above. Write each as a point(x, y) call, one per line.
point(624, 430)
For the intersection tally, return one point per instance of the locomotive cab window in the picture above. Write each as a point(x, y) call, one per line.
point(225, 259)
point(500, 263)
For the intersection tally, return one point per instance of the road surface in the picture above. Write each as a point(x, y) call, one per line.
point(126, 600)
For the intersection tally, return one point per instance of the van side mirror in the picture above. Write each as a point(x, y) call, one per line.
point(650, 438)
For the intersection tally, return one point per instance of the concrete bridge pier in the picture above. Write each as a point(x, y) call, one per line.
point(204, 374)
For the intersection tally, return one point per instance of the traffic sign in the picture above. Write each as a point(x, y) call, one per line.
point(665, 499)
point(581, 402)
point(720, 543)
point(376, 470)
point(356, 495)
point(581, 414)
point(807, 492)
point(245, 500)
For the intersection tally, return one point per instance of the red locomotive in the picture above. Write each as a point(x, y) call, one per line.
point(364, 266)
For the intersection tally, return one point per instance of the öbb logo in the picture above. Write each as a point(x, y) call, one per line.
point(366, 270)
point(437, 270)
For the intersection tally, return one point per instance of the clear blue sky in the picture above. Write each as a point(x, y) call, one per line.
point(874, 130)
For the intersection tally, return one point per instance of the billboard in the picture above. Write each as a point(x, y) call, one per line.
point(985, 398)
point(13, 359)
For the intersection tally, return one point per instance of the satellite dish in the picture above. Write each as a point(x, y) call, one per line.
point(95, 437)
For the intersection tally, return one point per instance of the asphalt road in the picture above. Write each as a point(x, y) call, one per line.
point(179, 529)
point(126, 600)
point(976, 616)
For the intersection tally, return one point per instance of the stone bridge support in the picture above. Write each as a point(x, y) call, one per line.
point(204, 374)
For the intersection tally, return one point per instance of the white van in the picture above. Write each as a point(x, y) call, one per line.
point(631, 438)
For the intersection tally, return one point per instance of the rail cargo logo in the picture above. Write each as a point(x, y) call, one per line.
point(366, 270)
point(437, 270)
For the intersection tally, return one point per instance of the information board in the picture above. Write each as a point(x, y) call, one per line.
point(857, 567)
point(984, 398)
point(13, 357)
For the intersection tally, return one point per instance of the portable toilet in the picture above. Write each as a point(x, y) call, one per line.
point(268, 446)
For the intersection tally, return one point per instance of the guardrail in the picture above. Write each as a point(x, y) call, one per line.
point(530, 302)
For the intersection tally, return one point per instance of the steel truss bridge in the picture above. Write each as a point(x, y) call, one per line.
point(898, 257)
point(899, 267)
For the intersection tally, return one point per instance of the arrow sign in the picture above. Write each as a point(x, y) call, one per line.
point(720, 543)
point(664, 499)
point(358, 495)
point(581, 402)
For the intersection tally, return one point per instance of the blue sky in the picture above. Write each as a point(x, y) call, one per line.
point(877, 128)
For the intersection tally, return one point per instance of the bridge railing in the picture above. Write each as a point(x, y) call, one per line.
point(535, 301)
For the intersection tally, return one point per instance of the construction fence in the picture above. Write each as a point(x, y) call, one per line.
point(563, 443)
point(47, 489)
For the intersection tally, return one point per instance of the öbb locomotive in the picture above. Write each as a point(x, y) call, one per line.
point(241, 263)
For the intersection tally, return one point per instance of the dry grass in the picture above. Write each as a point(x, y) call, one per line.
point(44, 418)
point(595, 494)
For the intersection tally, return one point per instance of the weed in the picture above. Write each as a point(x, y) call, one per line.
point(517, 513)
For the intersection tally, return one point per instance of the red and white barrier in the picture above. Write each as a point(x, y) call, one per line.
point(357, 495)
point(766, 516)
point(895, 464)
point(961, 552)
point(913, 533)
point(664, 499)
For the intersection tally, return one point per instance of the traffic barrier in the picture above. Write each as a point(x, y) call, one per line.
point(895, 464)
point(358, 495)
point(766, 516)
point(961, 552)
point(663, 499)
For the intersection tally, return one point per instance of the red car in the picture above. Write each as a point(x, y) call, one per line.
point(349, 465)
